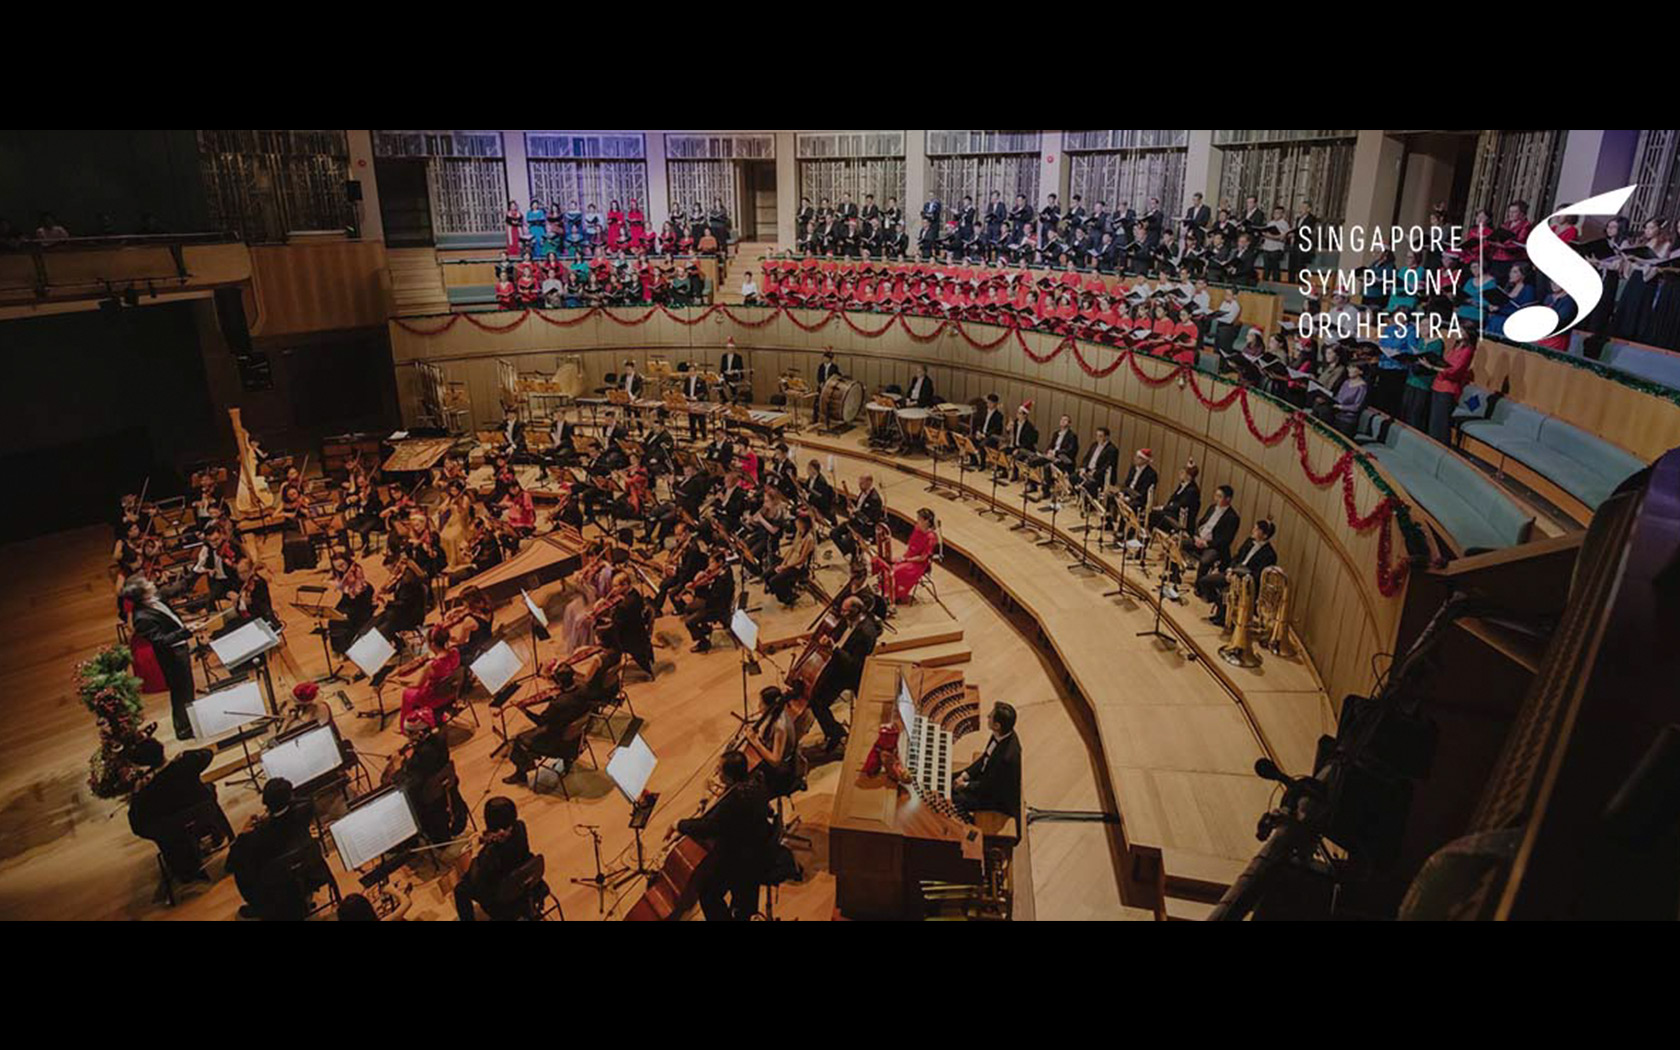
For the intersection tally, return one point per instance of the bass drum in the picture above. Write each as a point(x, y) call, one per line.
point(840, 401)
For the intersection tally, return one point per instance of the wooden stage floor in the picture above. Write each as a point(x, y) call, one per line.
point(68, 855)
point(1178, 737)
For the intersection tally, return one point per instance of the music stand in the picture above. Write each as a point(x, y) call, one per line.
point(1086, 503)
point(1056, 487)
point(371, 652)
point(629, 767)
point(231, 709)
point(965, 452)
point(249, 642)
point(1130, 515)
point(745, 632)
point(1173, 553)
point(322, 614)
point(934, 445)
point(1024, 525)
point(997, 460)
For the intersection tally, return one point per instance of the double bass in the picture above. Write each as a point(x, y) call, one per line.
point(675, 888)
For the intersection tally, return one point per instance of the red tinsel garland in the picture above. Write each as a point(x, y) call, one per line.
point(1390, 577)
point(524, 315)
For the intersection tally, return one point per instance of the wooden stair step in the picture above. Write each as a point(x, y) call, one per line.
point(943, 655)
point(1198, 876)
point(899, 642)
point(1177, 909)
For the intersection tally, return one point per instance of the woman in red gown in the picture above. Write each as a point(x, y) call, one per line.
point(423, 693)
point(616, 241)
point(918, 556)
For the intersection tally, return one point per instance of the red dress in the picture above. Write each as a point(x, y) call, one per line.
point(145, 660)
point(615, 230)
point(421, 702)
point(907, 573)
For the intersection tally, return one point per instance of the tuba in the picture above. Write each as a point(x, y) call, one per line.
point(1271, 610)
point(1240, 602)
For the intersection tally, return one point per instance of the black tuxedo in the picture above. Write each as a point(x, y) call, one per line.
point(170, 644)
point(1187, 497)
point(1214, 587)
point(1224, 532)
point(1198, 217)
point(694, 387)
point(631, 383)
point(989, 425)
point(921, 393)
point(1024, 436)
point(1064, 446)
point(821, 495)
point(156, 809)
point(1138, 482)
point(824, 371)
point(994, 779)
point(1102, 468)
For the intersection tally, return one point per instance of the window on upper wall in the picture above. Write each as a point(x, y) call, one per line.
point(590, 168)
point(1515, 165)
point(1126, 166)
point(851, 164)
point(264, 185)
point(1284, 168)
point(974, 163)
point(466, 176)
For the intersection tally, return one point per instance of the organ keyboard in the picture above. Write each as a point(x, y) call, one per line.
point(887, 838)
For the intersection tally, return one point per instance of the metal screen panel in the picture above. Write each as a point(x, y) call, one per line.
point(1515, 165)
point(265, 184)
point(468, 195)
point(834, 179)
point(1657, 171)
point(1133, 176)
point(1286, 174)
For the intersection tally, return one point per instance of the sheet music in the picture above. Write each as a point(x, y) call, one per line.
point(536, 613)
point(371, 651)
point(305, 757)
point(631, 766)
point(226, 710)
point(374, 828)
point(497, 667)
point(246, 643)
point(744, 629)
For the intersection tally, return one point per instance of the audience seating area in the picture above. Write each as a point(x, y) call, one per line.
point(1471, 508)
point(1586, 468)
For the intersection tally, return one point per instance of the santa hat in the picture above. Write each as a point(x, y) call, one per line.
point(304, 692)
point(1145, 454)
point(1026, 406)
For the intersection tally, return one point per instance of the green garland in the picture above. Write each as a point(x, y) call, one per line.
point(112, 694)
point(1648, 387)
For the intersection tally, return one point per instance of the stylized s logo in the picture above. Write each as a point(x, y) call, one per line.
point(1566, 269)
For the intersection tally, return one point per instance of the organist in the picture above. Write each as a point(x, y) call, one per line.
point(993, 781)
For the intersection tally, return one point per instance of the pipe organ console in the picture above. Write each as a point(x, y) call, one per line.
point(891, 834)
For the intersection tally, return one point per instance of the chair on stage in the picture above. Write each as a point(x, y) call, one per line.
point(457, 694)
point(526, 889)
point(210, 831)
point(305, 869)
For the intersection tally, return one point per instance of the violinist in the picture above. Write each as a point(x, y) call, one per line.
point(126, 554)
point(471, 624)
point(216, 557)
point(711, 597)
point(502, 849)
point(404, 594)
point(738, 829)
point(518, 511)
point(423, 547)
point(621, 622)
point(636, 501)
point(795, 565)
point(556, 714)
point(687, 558)
point(355, 600)
point(209, 495)
point(253, 600)
point(424, 680)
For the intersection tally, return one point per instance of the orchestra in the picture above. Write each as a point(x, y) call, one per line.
point(643, 527)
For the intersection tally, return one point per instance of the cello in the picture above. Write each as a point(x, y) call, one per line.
point(675, 887)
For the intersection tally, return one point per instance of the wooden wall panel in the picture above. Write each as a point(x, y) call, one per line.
point(316, 287)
